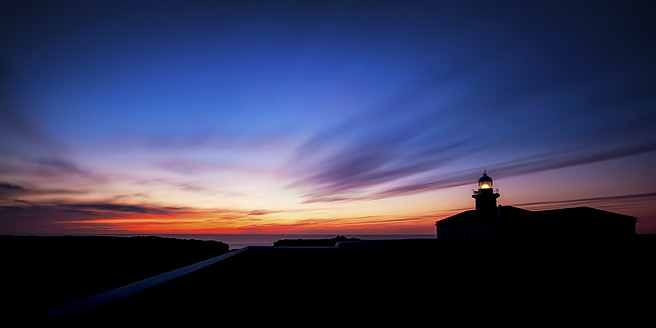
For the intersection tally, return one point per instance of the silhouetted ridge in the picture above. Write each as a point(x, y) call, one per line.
point(40, 272)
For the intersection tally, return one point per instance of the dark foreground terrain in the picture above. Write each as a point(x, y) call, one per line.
point(39, 272)
point(404, 281)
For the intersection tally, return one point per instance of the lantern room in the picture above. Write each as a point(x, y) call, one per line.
point(486, 198)
point(485, 182)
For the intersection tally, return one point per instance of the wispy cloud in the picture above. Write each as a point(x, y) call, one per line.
point(613, 202)
point(10, 187)
point(10, 191)
point(49, 217)
point(410, 146)
point(378, 146)
point(532, 164)
point(118, 208)
point(261, 212)
point(52, 167)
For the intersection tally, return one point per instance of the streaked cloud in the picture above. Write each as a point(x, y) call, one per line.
point(118, 217)
point(116, 208)
point(520, 166)
point(612, 202)
point(388, 152)
point(10, 187)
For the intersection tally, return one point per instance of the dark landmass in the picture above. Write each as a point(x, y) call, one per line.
point(401, 282)
point(40, 272)
point(407, 281)
point(312, 242)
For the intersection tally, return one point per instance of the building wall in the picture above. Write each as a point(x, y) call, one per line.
point(548, 231)
point(484, 237)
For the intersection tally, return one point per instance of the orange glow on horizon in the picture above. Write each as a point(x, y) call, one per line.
point(203, 224)
point(399, 215)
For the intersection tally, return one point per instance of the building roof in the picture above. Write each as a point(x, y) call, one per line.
point(510, 214)
point(484, 178)
point(474, 217)
point(582, 213)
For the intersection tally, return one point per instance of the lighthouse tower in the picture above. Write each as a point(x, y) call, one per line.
point(486, 198)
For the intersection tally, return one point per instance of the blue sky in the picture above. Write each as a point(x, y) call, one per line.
point(321, 110)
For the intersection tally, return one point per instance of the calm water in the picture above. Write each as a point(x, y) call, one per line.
point(236, 241)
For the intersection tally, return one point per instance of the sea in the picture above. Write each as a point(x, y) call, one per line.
point(237, 241)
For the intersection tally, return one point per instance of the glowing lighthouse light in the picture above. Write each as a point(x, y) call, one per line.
point(486, 198)
point(485, 182)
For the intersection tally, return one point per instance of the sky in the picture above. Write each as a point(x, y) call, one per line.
point(320, 116)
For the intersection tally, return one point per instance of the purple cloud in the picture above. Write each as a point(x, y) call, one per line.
point(102, 207)
point(409, 151)
point(10, 187)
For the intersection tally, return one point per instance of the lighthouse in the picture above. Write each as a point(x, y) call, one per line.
point(486, 197)
point(518, 231)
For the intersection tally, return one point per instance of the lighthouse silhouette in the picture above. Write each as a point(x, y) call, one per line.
point(486, 197)
point(508, 228)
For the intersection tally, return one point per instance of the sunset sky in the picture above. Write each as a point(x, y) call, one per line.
point(320, 116)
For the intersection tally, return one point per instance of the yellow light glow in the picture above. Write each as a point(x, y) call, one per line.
point(485, 186)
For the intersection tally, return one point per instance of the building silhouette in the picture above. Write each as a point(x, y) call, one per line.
point(508, 228)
